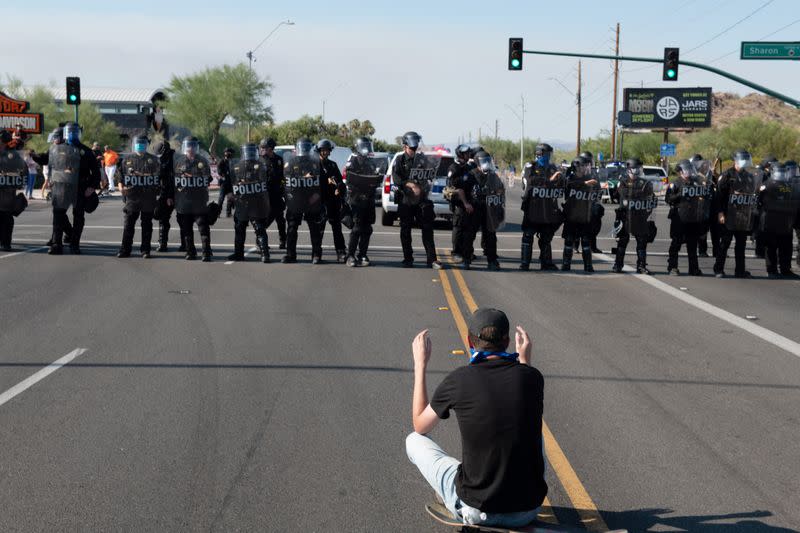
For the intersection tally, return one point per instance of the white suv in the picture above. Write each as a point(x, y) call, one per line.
point(441, 207)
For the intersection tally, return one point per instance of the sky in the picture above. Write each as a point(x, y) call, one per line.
point(439, 68)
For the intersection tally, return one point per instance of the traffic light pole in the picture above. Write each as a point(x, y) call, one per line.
point(76, 114)
point(752, 85)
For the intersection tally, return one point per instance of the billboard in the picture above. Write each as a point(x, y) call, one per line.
point(13, 112)
point(669, 108)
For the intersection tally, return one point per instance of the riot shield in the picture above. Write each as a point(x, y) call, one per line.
point(364, 174)
point(743, 199)
point(580, 196)
point(695, 196)
point(423, 172)
point(543, 195)
point(302, 185)
point(639, 203)
point(13, 173)
point(141, 179)
point(780, 201)
point(192, 178)
point(249, 184)
point(64, 162)
point(493, 193)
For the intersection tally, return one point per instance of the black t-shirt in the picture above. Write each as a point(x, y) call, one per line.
point(498, 404)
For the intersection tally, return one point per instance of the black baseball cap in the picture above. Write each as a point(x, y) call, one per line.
point(487, 317)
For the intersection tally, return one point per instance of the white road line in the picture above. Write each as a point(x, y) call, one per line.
point(761, 332)
point(25, 384)
point(29, 250)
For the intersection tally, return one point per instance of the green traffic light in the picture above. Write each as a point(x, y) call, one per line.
point(670, 73)
point(515, 63)
point(72, 98)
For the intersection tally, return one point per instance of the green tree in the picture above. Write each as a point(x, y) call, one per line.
point(759, 137)
point(203, 100)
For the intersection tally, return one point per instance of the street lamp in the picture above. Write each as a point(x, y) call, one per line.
point(250, 53)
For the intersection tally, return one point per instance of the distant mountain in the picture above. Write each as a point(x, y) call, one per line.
point(728, 107)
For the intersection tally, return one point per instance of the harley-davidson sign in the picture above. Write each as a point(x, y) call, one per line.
point(13, 112)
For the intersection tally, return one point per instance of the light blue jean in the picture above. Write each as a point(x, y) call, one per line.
point(439, 470)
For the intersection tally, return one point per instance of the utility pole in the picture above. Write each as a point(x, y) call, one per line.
point(578, 97)
point(496, 128)
point(616, 90)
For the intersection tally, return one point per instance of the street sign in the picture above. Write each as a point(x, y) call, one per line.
point(667, 150)
point(770, 50)
point(669, 108)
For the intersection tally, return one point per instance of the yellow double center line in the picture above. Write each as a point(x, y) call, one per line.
point(581, 501)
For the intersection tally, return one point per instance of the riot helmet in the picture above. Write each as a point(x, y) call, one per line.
point(768, 161)
point(702, 166)
point(412, 139)
point(463, 152)
point(742, 159)
point(140, 143)
point(780, 173)
point(56, 136)
point(588, 156)
point(695, 158)
point(543, 153)
point(249, 152)
point(579, 166)
point(363, 146)
point(303, 146)
point(190, 146)
point(685, 168)
point(634, 167)
point(484, 161)
point(72, 133)
point(791, 168)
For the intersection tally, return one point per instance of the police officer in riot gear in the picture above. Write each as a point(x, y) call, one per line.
point(364, 173)
point(760, 244)
point(637, 202)
point(735, 205)
point(544, 187)
point(192, 177)
point(13, 177)
point(224, 171)
point(331, 178)
point(702, 168)
point(277, 204)
point(459, 185)
point(141, 185)
point(74, 176)
point(412, 175)
point(580, 195)
point(54, 138)
point(166, 197)
point(488, 200)
point(688, 197)
point(248, 187)
point(305, 200)
point(598, 211)
point(778, 202)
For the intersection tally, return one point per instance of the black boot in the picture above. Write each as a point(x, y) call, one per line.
point(264, 244)
point(205, 241)
point(546, 258)
point(566, 260)
point(619, 260)
point(191, 250)
point(641, 262)
point(163, 237)
point(586, 252)
point(526, 253)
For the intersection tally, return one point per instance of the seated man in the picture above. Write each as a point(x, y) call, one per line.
point(498, 399)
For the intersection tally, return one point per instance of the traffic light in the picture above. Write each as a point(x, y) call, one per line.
point(670, 64)
point(515, 53)
point(73, 90)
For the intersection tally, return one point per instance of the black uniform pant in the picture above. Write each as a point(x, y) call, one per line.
point(459, 216)
point(546, 233)
point(488, 237)
point(738, 251)
point(623, 238)
point(423, 215)
point(363, 219)
point(335, 220)
point(575, 233)
point(688, 234)
point(240, 234)
point(778, 252)
point(223, 197)
point(164, 227)
point(596, 224)
point(6, 227)
point(186, 221)
point(315, 224)
point(129, 227)
point(61, 223)
point(276, 215)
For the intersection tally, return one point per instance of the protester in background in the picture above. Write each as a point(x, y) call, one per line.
point(32, 173)
point(110, 160)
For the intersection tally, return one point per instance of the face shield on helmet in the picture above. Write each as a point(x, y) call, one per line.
point(686, 169)
point(72, 133)
point(743, 159)
point(634, 168)
point(581, 166)
point(779, 173)
point(303, 147)
point(791, 169)
point(484, 161)
point(463, 152)
point(701, 167)
point(363, 146)
point(249, 152)
point(190, 146)
point(140, 144)
point(412, 139)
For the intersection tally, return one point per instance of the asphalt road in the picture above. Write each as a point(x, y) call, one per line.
point(277, 397)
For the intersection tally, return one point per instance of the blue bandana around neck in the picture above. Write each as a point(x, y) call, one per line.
point(543, 160)
point(478, 356)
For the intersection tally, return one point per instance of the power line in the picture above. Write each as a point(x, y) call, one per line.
point(726, 30)
point(761, 39)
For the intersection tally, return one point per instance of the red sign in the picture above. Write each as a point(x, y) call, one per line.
point(13, 112)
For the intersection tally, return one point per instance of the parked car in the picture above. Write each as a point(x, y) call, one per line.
point(441, 207)
point(658, 177)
